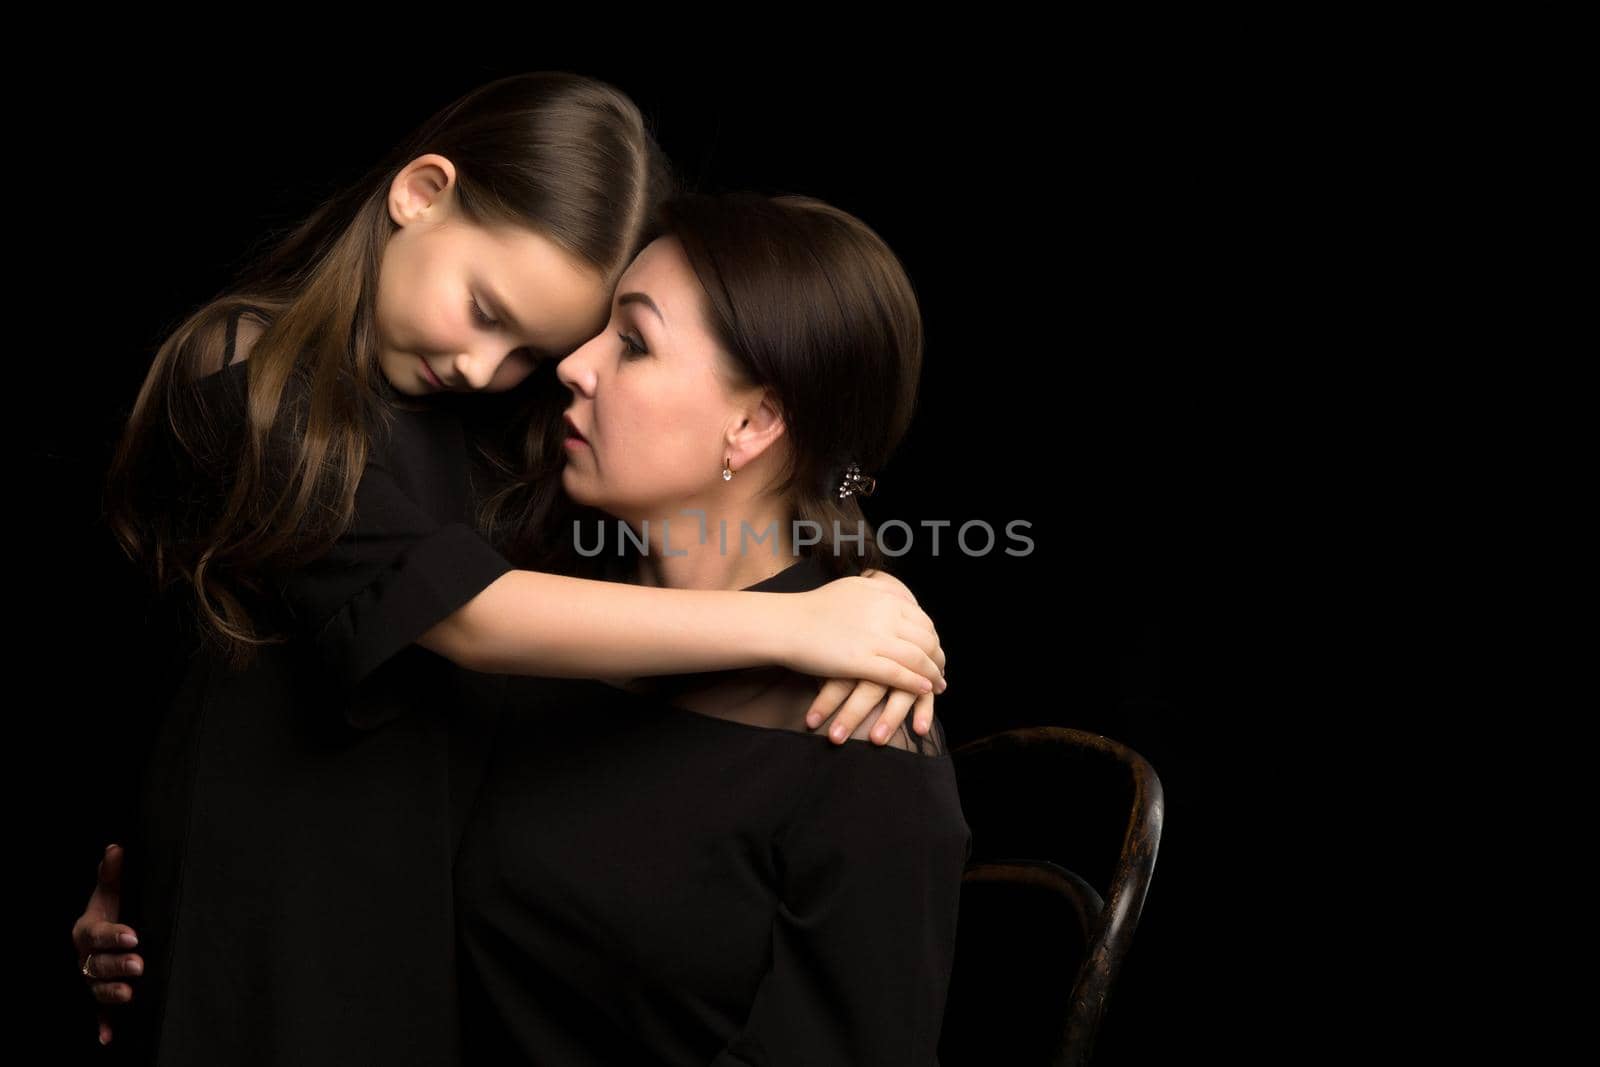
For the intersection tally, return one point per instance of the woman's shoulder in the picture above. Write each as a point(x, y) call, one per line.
point(862, 795)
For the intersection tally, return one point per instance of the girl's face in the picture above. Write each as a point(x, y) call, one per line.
point(464, 308)
point(655, 402)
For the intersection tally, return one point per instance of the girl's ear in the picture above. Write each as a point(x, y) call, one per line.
point(427, 182)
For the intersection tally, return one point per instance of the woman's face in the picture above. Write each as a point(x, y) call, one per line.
point(655, 401)
point(464, 308)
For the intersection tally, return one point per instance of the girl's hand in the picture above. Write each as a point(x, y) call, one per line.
point(102, 942)
point(867, 628)
point(852, 701)
point(858, 701)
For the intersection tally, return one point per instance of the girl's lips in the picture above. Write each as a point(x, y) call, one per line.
point(428, 373)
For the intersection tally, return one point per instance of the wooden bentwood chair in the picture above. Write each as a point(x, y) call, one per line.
point(1065, 827)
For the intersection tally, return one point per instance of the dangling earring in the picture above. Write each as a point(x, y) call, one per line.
point(727, 474)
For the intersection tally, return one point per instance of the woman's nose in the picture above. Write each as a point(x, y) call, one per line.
point(576, 374)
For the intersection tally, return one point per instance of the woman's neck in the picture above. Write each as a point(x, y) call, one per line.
point(722, 553)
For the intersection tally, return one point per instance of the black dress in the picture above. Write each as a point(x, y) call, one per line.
point(290, 872)
point(646, 884)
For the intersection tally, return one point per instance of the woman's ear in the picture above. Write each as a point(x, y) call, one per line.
point(762, 426)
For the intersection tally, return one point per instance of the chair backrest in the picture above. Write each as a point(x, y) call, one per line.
point(1065, 829)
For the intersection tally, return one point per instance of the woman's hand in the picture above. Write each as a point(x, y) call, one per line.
point(101, 941)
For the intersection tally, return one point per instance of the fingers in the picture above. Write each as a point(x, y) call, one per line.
point(870, 723)
point(911, 655)
point(897, 675)
point(111, 992)
point(112, 965)
point(828, 699)
point(894, 713)
point(922, 719)
point(916, 627)
point(921, 626)
point(110, 871)
point(102, 936)
point(865, 697)
point(881, 719)
point(90, 930)
point(926, 640)
point(99, 939)
point(105, 970)
point(853, 703)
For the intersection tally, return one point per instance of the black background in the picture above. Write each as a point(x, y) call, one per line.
point(1068, 239)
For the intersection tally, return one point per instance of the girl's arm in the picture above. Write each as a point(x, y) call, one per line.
point(402, 573)
point(530, 622)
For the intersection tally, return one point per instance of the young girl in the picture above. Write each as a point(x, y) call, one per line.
point(321, 501)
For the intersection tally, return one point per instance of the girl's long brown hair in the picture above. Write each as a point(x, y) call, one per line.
point(565, 155)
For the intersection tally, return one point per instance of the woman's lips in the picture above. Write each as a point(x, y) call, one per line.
point(428, 372)
point(574, 438)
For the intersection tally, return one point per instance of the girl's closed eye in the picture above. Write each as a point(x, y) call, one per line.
point(477, 313)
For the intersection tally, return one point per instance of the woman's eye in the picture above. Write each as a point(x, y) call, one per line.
point(477, 313)
point(634, 348)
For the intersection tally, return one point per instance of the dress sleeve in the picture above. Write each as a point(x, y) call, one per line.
point(389, 578)
point(863, 937)
point(407, 560)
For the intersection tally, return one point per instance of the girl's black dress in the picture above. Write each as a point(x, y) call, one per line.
point(290, 871)
point(646, 884)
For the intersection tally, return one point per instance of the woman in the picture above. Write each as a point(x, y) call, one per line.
point(720, 885)
point(319, 502)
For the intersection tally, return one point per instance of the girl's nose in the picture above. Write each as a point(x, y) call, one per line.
point(476, 370)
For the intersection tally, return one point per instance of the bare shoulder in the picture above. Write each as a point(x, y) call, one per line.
point(248, 331)
point(223, 340)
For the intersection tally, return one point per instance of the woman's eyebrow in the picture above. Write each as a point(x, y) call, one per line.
point(642, 298)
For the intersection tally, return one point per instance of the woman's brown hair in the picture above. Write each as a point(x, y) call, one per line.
point(813, 305)
point(565, 155)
